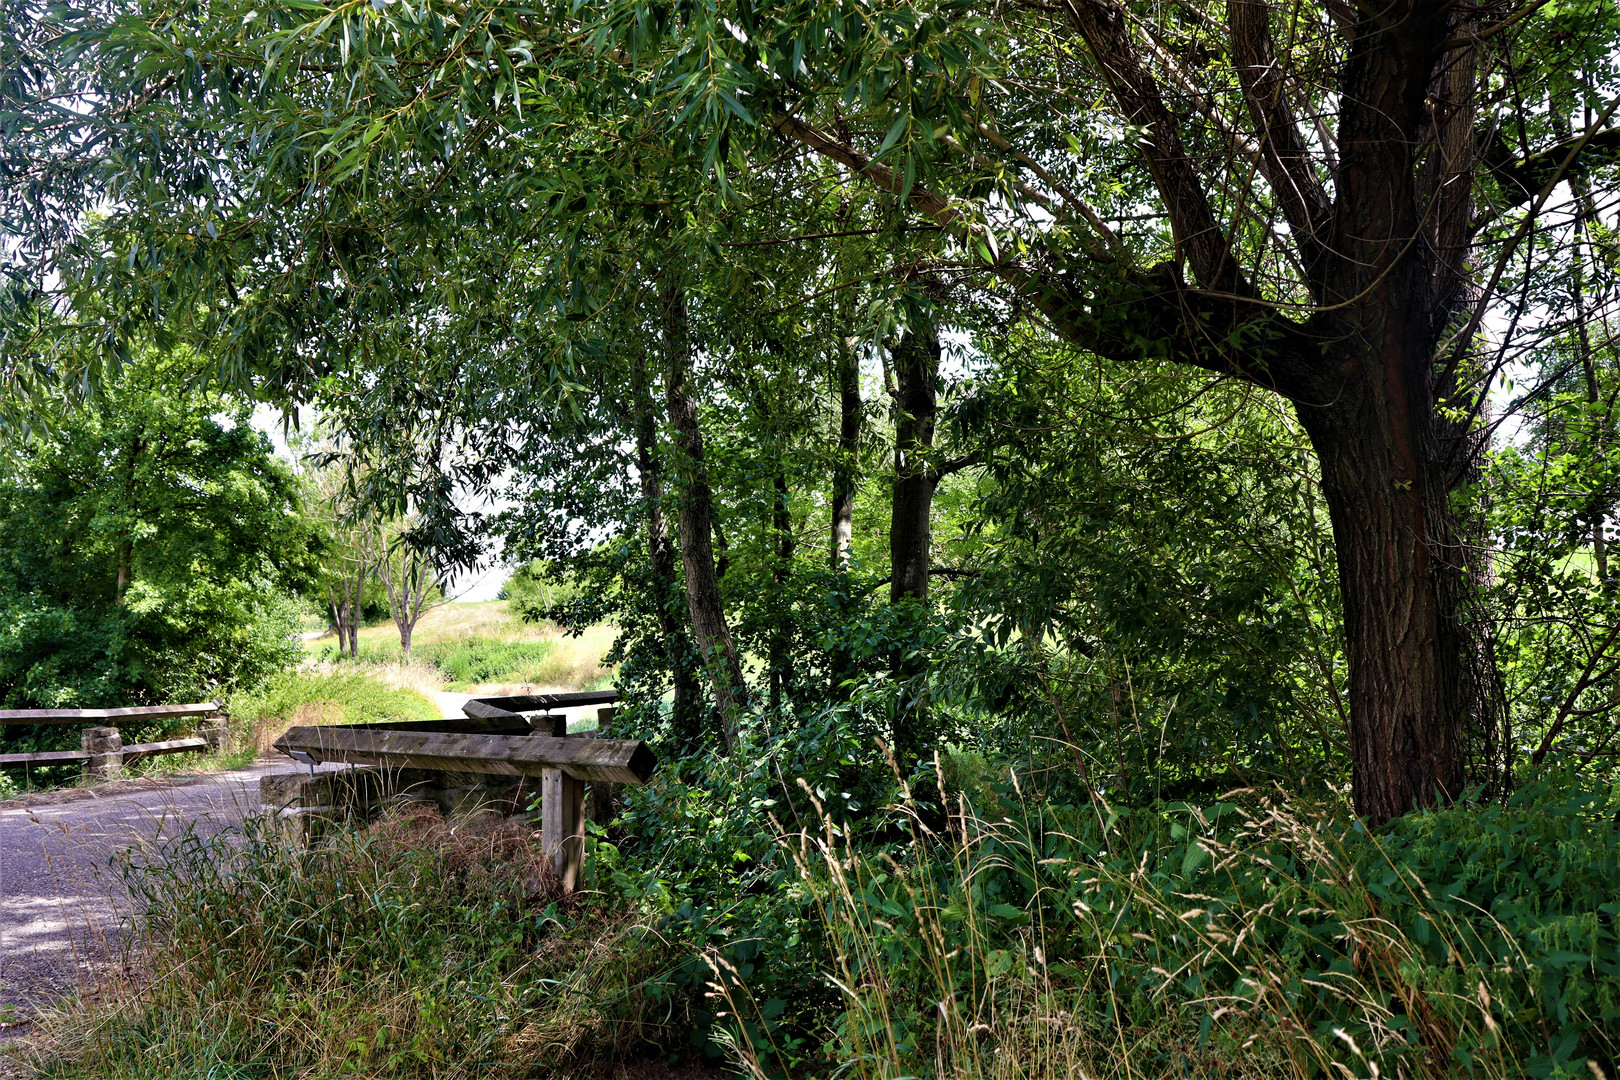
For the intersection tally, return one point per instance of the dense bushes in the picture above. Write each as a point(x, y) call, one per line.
point(149, 541)
point(794, 909)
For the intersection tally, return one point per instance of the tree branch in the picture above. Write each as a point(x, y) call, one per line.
point(1103, 25)
point(1522, 179)
point(954, 465)
point(1144, 316)
point(1589, 676)
point(1283, 158)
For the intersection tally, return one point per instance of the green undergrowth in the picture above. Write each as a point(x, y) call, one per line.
point(313, 697)
point(966, 925)
point(1253, 937)
point(356, 697)
point(406, 949)
point(486, 660)
point(471, 661)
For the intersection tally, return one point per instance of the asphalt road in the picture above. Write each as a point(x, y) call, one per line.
point(63, 911)
point(62, 904)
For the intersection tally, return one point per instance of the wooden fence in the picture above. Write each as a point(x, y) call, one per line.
point(102, 748)
point(499, 737)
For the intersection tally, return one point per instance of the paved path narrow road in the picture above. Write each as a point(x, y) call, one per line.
point(61, 901)
point(62, 905)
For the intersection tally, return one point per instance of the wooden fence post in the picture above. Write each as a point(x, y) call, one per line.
point(213, 730)
point(604, 796)
point(562, 824)
point(105, 750)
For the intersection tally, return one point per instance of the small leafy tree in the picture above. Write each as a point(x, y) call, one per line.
point(407, 576)
point(149, 545)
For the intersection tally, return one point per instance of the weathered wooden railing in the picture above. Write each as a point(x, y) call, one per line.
point(102, 748)
point(497, 739)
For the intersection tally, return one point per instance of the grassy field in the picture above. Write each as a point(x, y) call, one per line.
point(480, 649)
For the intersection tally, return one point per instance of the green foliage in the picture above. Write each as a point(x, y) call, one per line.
point(149, 543)
point(406, 950)
point(146, 548)
point(1473, 941)
point(534, 585)
point(484, 660)
point(338, 697)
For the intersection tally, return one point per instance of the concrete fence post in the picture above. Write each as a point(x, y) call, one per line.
point(105, 748)
point(213, 730)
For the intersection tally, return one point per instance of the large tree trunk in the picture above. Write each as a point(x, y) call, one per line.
point(1390, 281)
point(1400, 580)
point(720, 661)
point(686, 709)
point(916, 369)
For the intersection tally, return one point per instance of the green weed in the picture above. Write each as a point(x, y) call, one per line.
point(488, 660)
point(295, 698)
point(408, 949)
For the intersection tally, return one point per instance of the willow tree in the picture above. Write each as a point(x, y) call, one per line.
point(1331, 196)
point(1323, 201)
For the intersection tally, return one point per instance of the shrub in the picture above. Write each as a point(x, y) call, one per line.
point(483, 660)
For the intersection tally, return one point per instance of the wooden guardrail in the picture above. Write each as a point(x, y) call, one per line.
point(102, 749)
point(496, 739)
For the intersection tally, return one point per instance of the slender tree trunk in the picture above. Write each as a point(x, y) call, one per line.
point(845, 471)
point(916, 369)
point(695, 522)
point(782, 524)
point(126, 550)
point(686, 710)
point(357, 600)
point(125, 553)
point(846, 463)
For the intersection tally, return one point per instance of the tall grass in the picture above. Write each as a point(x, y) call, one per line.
point(1259, 938)
point(321, 695)
point(409, 949)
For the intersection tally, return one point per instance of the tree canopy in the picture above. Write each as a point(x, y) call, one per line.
point(1178, 311)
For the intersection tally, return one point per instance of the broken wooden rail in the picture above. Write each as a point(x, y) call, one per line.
point(102, 748)
point(498, 738)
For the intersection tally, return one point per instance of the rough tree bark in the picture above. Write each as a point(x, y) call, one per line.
point(694, 521)
point(1376, 371)
point(915, 362)
point(916, 371)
